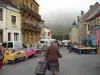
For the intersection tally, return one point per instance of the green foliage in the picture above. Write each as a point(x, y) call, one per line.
point(60, 32)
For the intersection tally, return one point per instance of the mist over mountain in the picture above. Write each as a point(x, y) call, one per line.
point(62, 13)
point(60, 21)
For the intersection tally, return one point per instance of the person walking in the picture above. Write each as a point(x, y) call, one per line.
point(1, 56)
point(58, 45)
point(38, 44)
point(70, 46)
point(52, 56)
point(44, 48)
point(55, 44)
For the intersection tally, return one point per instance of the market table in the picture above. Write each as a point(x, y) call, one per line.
point(85, 50)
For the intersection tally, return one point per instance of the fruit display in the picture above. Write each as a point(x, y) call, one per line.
point(81, 46)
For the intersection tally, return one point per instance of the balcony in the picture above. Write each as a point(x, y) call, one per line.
point(27, 26)
point(24, 8)
point(94, 28)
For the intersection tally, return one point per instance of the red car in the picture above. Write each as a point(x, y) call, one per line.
point(30, 52)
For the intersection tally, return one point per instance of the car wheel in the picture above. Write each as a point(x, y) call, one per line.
point(32, 55)
point(27, 58)
point(24, 58)
point(17, 60)
point(10, 62)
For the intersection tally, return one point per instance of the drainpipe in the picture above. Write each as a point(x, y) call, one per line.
point(6, 17)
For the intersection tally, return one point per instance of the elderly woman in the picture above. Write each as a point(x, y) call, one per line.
point(52, 56)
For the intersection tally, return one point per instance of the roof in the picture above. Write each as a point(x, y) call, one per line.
point(97, 11)
point(46, 27)
point(35, 2)
point(92, 9)
point(8, 3)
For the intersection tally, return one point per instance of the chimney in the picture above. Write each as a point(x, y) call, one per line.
point(91, 6)
point(82, 13)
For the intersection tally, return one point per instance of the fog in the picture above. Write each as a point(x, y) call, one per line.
point(60, 17)
point(63, 12)
point(58, 13)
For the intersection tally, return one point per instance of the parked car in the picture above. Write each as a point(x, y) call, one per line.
point(36, 51)
point(30, 52)
point(14, 51)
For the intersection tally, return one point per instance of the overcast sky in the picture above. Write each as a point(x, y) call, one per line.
point(57, 12)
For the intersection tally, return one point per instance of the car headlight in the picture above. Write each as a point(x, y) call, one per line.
point(13, 54)
point(22, 51)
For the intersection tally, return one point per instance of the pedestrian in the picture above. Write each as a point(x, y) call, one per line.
point(38, 44)
point(70, 46)
point(1, 56)
point(52, 56)
point(58, 45)
point(44, 48)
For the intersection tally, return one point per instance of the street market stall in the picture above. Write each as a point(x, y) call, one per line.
point(84, 50)
point(91, 41)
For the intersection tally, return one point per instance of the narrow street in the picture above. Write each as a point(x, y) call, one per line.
point(70, 64)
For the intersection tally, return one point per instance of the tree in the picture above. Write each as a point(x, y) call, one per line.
point(67, 37)
point(54, 36)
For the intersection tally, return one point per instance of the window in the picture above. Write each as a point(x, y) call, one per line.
point(24, 46)
point(10, 44)
point(16, 36)
point(98, 21)
point(88, 27)
point(26, 19)
point(31, 5)
point(1, 36)
point(26, 2)
point(13, 20)
point(9, 36)
point(1, 14)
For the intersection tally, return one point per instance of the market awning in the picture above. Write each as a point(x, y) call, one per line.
point(95, 28)
point(91, 38)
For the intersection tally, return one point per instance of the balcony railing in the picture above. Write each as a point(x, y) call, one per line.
point(24, 8)
point(27, 26)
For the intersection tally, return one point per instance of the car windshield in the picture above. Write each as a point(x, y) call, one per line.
point(10, 45)
point(4, 45)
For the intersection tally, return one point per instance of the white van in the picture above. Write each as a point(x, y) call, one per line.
point(13, 45)
point(47, 41)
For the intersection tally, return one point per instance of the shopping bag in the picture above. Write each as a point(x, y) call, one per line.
point(41, 68)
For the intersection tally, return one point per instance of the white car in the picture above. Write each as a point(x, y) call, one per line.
point(65, 44)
